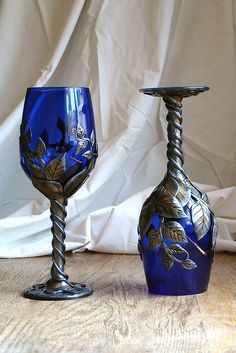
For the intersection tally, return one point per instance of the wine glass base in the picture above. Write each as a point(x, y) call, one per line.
point(40, 292)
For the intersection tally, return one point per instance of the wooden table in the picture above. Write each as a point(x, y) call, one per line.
point(120, 316)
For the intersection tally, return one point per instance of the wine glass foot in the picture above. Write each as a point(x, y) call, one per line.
point(73, 291)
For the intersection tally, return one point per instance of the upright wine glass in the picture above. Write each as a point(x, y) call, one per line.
point(58, 150)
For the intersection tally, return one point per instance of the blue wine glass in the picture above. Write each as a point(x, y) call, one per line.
point(58, 150)
point(177, 227)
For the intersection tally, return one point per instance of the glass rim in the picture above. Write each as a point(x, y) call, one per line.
point(52, 88)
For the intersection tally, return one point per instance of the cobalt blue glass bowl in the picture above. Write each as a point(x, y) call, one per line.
point(58, 137)
point(178, 280)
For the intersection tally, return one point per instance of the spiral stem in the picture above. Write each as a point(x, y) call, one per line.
point(59, 278)
point(174, 130)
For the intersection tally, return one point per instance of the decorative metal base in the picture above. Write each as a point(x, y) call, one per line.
point(40, 292)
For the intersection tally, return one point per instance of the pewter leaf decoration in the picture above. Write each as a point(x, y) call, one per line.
point(194, 190)
point(154, 238)
point(56, 168)
point(75, 182)
point(174, 232)
point(29, 154)
point(188, 264)
point(184, 193)
point(168, 261)
point(92, 138)
point(50, 189)
point(80, 132)
point(168, 205)
point(201, 218)
point(146, 215)
point(27, 137)
point(176, 249)
point(88, 154)
point(205, 199)
point(170, 185)
point(96, 150)
point(40, 148)
point(82, 144)
point(140, 247)
point(23, 125)
point(83, 141)
point(214, 234)
point(36, 171)
point(190, 203)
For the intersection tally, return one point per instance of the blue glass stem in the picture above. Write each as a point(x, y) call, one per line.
point(59, 278)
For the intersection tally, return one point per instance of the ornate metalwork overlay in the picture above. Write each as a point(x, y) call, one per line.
point(176, 197)
point(50, 178)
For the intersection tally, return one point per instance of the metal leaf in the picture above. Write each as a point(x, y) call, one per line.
point(29, 154)
point(88, 154)
point(92, 138)
point(73, 184)
point(96, 150)
point(56, 168)
point(82, 144)
point(174, 232)
point(214, 233)
point(170, 185)
point(205, 199)
point(184, 193)
point(166, 204)
point(92, 164)
point(40, 148)
point(80, 132)
point(50, 189)
point(27, 137)
point(188, 264)
point(146, 215)
point(194, 190)
point(190, 203)
point(154, 238)
point(140, 249)
point(168, 261)
point(201, 218)
point(176, 249)
point(169, 207)
point(23, 125)
point(36, 171)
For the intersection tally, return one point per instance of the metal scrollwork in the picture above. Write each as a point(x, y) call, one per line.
point(173, 198)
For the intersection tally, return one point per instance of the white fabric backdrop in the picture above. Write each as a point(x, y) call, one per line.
point(115, 47)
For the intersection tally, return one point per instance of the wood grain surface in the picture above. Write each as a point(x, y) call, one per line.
point(120, 316)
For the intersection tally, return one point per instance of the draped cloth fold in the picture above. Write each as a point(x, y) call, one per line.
point(115, 47)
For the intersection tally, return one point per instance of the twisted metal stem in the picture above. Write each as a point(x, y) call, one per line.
point(174, 130)
point(59, 286)
point(58, 214)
